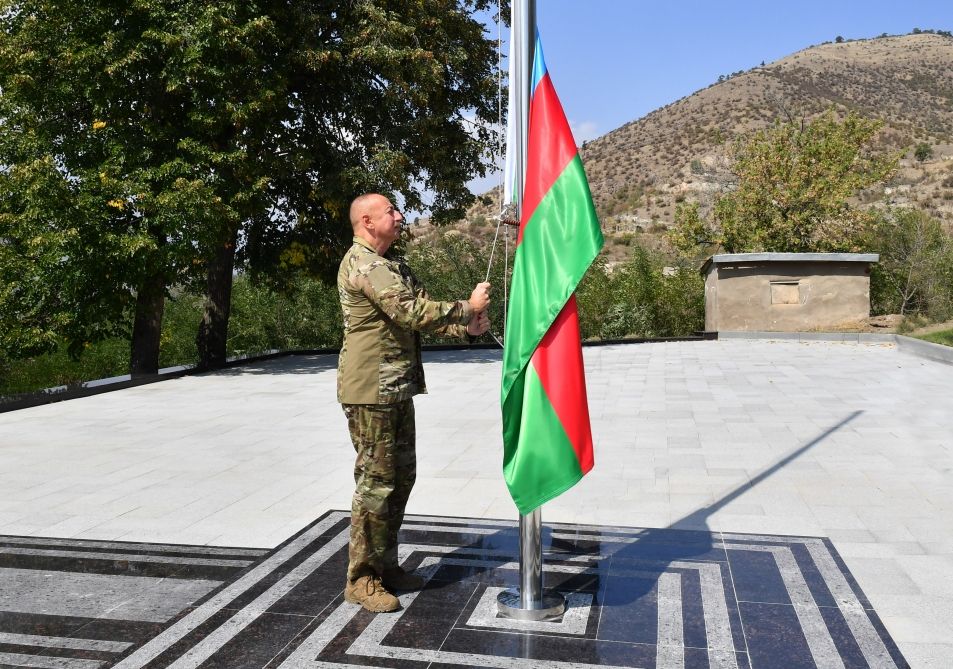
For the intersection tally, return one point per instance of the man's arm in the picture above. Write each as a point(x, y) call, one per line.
point(474, 327)
point(388, 291)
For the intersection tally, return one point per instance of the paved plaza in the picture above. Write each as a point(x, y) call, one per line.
point(816, 476)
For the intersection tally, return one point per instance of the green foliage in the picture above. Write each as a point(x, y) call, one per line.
point(139, 138)
point(453, 264)
point(915, 272)
point(308, 316)
point(120, 166)
point(103, 359)
point(180, 321)
point(633, 299)
point(689, 234)
point(638, 299)
point(794, 183)
point(262, 319)
point(923, 151)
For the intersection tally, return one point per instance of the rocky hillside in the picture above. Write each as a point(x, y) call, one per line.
point(642, 170)
point(680, 152)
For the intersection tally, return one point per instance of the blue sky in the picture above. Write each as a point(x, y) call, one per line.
point(613, 61)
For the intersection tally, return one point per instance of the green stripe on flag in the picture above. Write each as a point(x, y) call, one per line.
point(541, 455)
point(559, 243)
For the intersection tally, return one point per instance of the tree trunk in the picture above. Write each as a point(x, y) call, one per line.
point(147, 327)
point(212, 337)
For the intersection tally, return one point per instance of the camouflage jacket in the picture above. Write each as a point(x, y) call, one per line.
point(385, 309)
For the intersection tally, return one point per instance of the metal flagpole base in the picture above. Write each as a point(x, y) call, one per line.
point(529, 601)
point(552, 606)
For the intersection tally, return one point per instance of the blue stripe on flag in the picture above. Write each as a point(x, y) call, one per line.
point(539, 65)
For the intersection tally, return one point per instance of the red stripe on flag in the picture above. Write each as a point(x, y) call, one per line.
point(550, 147)
point(558, 363)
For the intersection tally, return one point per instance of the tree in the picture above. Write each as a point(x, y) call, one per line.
point(150, 144)
point(923, 151)
point(794, 184)
point(915, 272)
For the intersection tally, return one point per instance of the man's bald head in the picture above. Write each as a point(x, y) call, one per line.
point(375, 219)
point(364, 205)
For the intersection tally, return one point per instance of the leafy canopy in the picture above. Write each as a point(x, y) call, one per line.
point(140, 135)
point(794, 184)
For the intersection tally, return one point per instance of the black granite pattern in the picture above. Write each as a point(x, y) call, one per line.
point(662, 598)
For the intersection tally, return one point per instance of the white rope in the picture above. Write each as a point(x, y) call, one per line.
point(492, 251)
point(506, 272)
point(499, 148)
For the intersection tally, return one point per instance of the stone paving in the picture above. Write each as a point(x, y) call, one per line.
point(851, 442)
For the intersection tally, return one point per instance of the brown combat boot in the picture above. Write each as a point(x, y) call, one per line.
point(369, 592)
point(396, 578)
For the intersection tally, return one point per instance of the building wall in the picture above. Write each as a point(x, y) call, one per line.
point(786, 296)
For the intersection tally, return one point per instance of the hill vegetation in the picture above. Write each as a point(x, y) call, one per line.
point(639, 172)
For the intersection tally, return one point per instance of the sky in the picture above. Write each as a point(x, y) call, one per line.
point(614, 61)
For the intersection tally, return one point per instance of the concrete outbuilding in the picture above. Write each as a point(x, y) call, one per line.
point(786, 292)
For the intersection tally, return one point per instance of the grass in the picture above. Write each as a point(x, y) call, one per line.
point(944, 337)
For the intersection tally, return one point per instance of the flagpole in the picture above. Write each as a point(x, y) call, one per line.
point(529, 601)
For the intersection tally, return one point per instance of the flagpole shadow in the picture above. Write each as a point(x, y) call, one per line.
point(690, 537)
point(652, 552)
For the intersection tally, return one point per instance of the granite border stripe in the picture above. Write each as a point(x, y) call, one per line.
point(44, 662)
point(178, 630)
point(63, 642)
point(721, 643)
point(208, 646)
point(871, 644)
point(140, 547)
point(816, 633)
point(671, 634)
point(126, 557)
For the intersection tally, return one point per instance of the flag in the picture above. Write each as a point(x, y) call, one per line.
point(547, 441)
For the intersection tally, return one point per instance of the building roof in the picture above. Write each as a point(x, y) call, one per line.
point(743, 258)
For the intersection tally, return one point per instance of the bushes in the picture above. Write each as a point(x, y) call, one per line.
point(915, 272)
point(106, 358)
point(639, 299)
point(309, 316)
point(633, 299)
point(452, 264)
point(262, 319)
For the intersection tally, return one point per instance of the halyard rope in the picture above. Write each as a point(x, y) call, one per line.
point(499, 148)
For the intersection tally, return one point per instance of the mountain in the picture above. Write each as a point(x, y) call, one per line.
point(640, 171)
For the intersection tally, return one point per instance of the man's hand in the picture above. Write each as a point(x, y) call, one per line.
point(478, 324)
point(480, 297)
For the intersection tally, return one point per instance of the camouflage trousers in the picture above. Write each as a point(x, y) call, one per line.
point(384, 473)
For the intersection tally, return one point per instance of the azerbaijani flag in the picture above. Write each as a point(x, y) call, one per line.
point(547, 441)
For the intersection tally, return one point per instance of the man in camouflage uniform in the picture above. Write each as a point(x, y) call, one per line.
point(379, 371)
